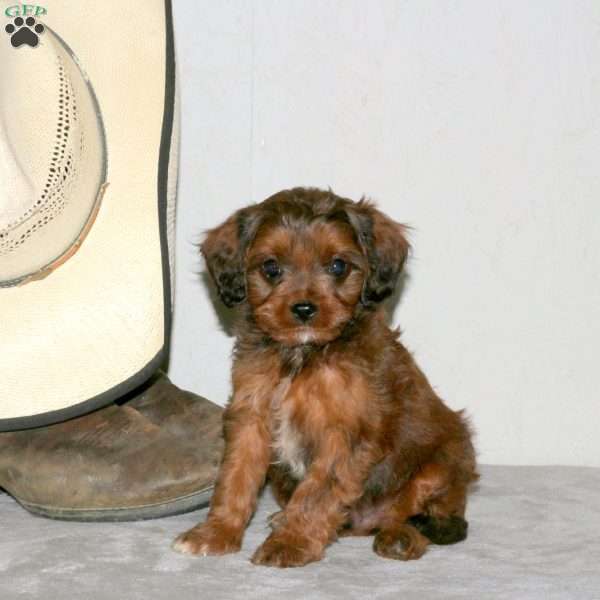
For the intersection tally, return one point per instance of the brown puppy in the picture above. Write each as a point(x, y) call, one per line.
point(326, 401)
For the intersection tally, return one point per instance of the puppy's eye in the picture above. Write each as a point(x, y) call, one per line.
point(271, 269)
point(338, 267)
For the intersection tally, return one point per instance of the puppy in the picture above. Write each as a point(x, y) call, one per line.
point(327, 403)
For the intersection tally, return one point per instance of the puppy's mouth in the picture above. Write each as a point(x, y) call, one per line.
point(304, 334)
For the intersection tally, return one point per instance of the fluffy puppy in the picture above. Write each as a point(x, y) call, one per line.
point(327, 403)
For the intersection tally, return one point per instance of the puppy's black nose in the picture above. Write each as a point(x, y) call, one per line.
point(304, 311)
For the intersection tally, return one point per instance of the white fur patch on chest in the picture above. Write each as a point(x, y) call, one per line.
point(287, 444)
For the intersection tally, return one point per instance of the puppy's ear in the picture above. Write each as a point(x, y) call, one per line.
point(224, 250)
point(386, 247)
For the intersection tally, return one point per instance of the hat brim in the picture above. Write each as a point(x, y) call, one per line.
point(98, 326)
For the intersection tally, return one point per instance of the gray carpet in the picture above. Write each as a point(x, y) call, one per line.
point(534, 533)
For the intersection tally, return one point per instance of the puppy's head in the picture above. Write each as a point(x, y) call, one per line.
point(306, 261)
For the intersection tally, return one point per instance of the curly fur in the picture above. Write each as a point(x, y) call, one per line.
point(333, 410)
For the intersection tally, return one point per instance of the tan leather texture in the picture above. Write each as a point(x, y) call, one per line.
point(160, 446)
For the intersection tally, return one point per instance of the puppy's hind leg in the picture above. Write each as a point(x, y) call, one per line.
point(443, 520)
point(404, 542)
point(427, 509)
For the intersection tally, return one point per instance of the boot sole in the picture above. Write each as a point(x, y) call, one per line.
point(178, 506)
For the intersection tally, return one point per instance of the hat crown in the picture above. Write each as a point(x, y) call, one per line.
point(52, 158)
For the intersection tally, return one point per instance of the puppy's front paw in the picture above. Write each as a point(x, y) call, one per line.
point(207, 540)
point(286, 551)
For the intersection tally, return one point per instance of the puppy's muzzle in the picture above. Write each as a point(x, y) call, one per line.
point(304, 311)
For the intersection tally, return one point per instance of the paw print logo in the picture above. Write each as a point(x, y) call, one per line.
point(24, 31)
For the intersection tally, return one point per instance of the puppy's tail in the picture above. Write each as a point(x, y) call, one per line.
point(441, 530)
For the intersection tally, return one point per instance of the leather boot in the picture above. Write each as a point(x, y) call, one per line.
point(153, 455)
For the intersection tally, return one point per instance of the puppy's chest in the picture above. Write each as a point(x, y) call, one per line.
point(289, 444)
point(303, 413)
point(290, 428)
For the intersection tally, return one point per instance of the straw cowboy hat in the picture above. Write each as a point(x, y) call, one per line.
point(88, 163)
